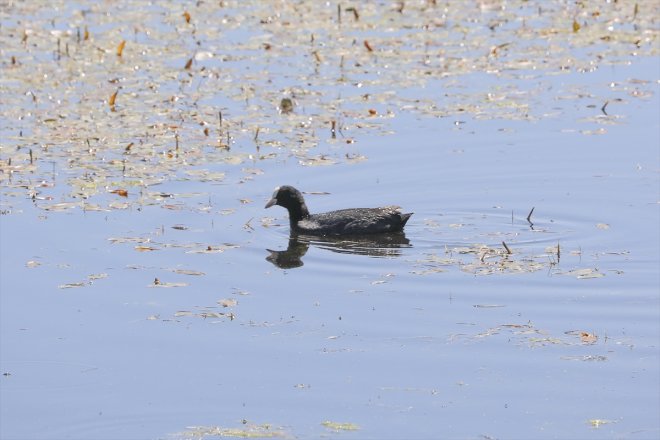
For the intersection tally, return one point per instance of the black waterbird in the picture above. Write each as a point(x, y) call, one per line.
point(354, 221)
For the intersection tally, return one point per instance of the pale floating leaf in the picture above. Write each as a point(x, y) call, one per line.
point(72, 285)
point(253, 171)
point(317, 161)
point(355, 158)
point(114, 240)
point(141, 248)
point(233, 160)
point(206, 175)
point(247, 431)
point(598, 131)
point(588, 338)
point(208, 250)
point(592, 274)
point(173, 207)
point(586, 358)
point(340, 426)
point(211, 314)
point(119, 205)
point(596, 423)
point(59, 206)
point(188, 272)
point(583, 274)
point(203, 56)
point(167, 285)
point(213, 249)
point(229, 302)
point(93, 207)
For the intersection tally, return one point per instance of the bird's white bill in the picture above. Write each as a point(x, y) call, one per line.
point(271, 202)
point(273, 199)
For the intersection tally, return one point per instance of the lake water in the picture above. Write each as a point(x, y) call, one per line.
point(182, 309)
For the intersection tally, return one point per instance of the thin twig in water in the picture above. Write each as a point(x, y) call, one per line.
point(355, 13)
point(602, 109)
point(529, 216)
point(558, 253)
point(508, 251)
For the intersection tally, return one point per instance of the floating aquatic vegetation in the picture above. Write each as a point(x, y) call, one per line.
point(585, 358)
point(529, 335)
point(597, 423)
point(142, 248)
point(188, 272)
point(585, 337)
point(72, 285)
point(318, 160)
point(97, 276)
point(340, 426)
point(114, 240)
point(228, 302)
point(204, 314)
point(159, 283)
point(481, 259)
point(583, 274)
point(212, 249)
point(83, 100)
point(90, 280)
point(248, 430)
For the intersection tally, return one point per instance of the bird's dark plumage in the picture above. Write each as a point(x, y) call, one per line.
point(341, 222)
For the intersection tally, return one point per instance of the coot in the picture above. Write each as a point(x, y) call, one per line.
point(341, 222)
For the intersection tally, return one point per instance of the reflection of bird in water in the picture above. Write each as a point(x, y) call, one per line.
point(291, 257)
point(356, 221)
point(373, 245)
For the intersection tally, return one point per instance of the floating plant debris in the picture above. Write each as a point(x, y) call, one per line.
point(152, 132)
point(248, 430)
point(340, 426)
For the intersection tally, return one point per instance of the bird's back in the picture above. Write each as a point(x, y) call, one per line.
point(355, 221)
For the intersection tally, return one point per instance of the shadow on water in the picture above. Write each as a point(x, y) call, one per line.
point(372, 245)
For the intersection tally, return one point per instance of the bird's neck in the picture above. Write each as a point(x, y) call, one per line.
point(297, 213)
